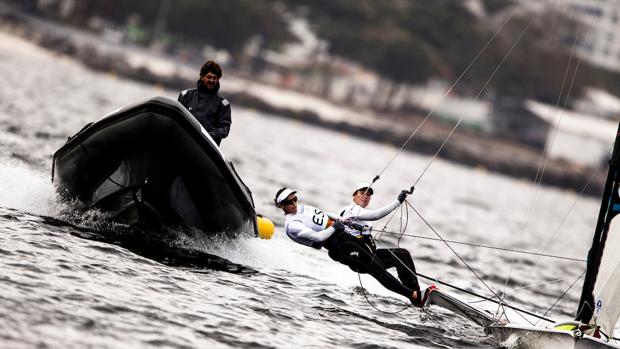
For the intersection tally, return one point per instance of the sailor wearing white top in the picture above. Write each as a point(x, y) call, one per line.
point(357, 216)
point(308, 226)
point(304, 224)
point(312, 227)
point(358, 212)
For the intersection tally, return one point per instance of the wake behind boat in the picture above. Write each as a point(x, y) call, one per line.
point(154, 165)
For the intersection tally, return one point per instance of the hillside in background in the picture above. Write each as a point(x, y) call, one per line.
point(403, 42)
point(489, 141)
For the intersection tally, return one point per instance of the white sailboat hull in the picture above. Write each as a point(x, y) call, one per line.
point(516, 336)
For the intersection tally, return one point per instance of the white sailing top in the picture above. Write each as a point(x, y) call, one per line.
point(308, 226)
point(362, 215)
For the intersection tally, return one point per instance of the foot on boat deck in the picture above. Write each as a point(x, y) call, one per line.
point(422, 296)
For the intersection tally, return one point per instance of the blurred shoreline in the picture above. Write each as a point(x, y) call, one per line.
point(464, 147)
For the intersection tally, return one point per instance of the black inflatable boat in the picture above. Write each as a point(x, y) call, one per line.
point(154, 164)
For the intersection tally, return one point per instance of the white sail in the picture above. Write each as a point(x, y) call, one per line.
point(607, 288)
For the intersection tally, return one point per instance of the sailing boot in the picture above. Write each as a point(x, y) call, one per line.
point(422, 297)
point(428, 292)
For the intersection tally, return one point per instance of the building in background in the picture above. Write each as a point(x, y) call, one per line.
point(599, 41)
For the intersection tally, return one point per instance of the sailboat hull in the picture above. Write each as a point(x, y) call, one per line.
point(515, 336)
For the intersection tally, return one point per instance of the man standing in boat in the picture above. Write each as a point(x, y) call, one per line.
point(206, 104)
point(312, 227)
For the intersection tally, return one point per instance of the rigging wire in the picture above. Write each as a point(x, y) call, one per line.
point(500, 302)
point(471, 293)
point(402, 230)
point(483, 246)
point(563, 294)
point(464, 263)
point(448, 91)
point(377, 238)
point(580, 193)
point(557, 230)
point(598, 168)
point(419, 294)
point(451, 249)
point(389, 220)
point(359, 277)
point(497, 68)
point(540, 284)
point(542, 161)
point(532, 286)
point(519, 311)
point(484, 87)
point(450, 134)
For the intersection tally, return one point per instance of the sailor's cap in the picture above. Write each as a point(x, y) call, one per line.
point(282, 194)
point(362, 186)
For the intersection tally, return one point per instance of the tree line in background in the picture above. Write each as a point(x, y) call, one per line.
point(412, 41)
point(404, 41)
point(226, 24)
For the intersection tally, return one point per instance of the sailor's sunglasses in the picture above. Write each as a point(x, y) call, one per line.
point(288, 202)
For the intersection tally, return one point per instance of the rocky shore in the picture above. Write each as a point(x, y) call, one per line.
point(463, 147)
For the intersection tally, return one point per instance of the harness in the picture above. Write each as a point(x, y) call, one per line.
point(367, 240)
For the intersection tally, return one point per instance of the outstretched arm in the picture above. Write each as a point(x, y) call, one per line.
point(373, 215)
point(298, 229)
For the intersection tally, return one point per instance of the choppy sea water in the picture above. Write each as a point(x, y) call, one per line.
point(61, 290)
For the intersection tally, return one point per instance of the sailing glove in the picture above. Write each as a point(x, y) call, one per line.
point(338, 226)
point(357, 225)
point(402, 196)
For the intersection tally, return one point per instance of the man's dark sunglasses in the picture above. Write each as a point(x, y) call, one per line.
point(288, 202)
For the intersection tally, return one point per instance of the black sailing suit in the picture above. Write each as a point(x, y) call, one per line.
point(361, 255)
point(210, 109)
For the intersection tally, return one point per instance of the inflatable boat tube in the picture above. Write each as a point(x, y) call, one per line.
point(154, 164)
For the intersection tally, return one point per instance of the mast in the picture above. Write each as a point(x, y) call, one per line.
point(610, 207)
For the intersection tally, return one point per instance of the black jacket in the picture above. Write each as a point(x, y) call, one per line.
point(211, 109)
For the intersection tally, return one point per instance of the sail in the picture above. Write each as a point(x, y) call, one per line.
point(602, 281)
point(607, 286)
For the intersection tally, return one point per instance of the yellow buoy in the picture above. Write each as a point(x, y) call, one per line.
point(266, 227)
